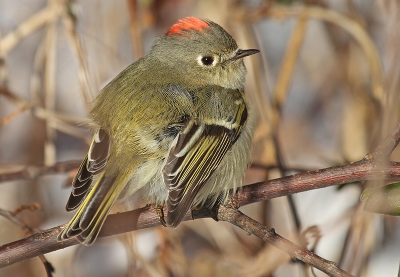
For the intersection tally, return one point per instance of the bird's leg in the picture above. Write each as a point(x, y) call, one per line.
point(231, 203)
point(193, 211)
point(209, 209)
point(160, 213)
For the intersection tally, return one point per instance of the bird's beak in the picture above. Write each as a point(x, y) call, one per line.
point(243, 53)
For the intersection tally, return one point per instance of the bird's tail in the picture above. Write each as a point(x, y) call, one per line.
point(90, 216)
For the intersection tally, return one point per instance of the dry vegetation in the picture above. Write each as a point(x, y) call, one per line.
point(326, 90)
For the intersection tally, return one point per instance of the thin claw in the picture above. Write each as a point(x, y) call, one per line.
point(160, 213)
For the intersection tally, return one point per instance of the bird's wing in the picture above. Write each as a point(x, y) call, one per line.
point(196, 152)
point(93, 164)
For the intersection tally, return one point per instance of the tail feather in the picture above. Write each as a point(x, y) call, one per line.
point(90, 217)
point(97, 199)
point(90, 234)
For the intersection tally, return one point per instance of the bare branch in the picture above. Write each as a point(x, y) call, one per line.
point(234, 216)
point(46, 241)
point(362, 170)
point(359, 171)
point(31, 172)
point(386, 147)
point(12, 216)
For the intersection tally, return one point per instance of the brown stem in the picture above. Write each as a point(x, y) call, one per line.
point(337, 175)
point(31, 172)
point(46, 241)
point(234, 216)
point(12, 216)
point(365, 169)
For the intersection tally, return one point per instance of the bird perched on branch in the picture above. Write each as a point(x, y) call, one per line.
point(173, 128)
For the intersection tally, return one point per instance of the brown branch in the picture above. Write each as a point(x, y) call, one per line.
point(386, 147)
point(234, 216)
point(355, 172)
point(5, 120)
point(354, 28)
point(369, 168)
point(70, 25)
point(31, 172)
point(35, 206)
point(27, 27)
point(62, 122)
point(46, 241)
point(135, 28)
point(12, 216)
point(365, 169)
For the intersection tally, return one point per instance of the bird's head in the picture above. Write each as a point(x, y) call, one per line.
point(202, 53)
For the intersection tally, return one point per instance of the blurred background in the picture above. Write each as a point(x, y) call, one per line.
point(325, 88)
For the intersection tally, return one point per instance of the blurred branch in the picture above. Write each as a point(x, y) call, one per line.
point(289, 63)
point(353, 27)
point(135, 28)
point(70, 22)
point(9, 41)
point(58, 121)
point(282, 88)
point(386, 147)
point(33, 172)
point(12, 216)
point(5, 120)
point(49, 79)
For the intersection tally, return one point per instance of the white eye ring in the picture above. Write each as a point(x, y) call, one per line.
point(206, 60)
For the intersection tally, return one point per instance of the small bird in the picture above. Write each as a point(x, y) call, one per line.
point(174, 128)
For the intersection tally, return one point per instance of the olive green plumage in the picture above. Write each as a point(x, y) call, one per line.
point(174, 127)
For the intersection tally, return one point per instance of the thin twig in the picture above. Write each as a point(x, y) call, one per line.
point(70, 22)
point(58, 121)
point(32, 172)
point(9, 41)
point(17, 221)
point(351, 26)
point(135, 28)
point(282, 87)
point(386, 147)
point(49, 42)
point(5, 120)
point(234, 216)
point(31, 208)
point(285, 76)
point(29, 231)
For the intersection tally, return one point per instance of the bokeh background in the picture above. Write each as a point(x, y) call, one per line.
point(325, 87)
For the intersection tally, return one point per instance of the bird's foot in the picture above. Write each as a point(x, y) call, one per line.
point(160, 213)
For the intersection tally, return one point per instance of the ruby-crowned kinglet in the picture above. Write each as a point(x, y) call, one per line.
point(174, 127)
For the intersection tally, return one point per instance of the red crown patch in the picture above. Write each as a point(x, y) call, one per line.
point(188, 23)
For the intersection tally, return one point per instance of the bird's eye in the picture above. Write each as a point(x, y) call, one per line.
point(207, 60)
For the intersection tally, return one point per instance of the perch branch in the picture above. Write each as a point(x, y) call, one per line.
point(237, 218)
point(365, 169)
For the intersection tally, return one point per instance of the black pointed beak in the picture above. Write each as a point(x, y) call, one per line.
point(243, 53)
